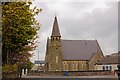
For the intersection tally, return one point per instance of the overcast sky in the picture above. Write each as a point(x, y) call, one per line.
point(79, 21)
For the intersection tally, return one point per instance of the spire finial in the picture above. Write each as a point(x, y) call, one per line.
point(55, 13)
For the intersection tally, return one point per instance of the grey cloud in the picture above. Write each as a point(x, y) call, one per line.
point(100, 24)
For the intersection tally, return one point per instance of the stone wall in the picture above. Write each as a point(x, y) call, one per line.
point(73, 73)
point(94, 60)
point(74, 65)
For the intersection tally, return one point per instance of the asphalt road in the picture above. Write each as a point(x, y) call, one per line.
point(66, 78)
point(109, 77)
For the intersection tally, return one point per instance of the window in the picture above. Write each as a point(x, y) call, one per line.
point(110, 67)
point(56, 59)
point(82, 65)
point(50, 66)
point(53, 38)
point(66, 65)
point(107, 67)
point(73, 66)
point(103, 67)
point(76, 66)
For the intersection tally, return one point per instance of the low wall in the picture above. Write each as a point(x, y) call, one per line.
point(88, 73)
point(74, 73)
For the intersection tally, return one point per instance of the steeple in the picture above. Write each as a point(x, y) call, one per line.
point(55, 30)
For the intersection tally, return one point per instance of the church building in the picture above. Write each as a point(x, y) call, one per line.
point(71, 55)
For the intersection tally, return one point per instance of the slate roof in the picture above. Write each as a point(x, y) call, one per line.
point(75, 49)
point(39, 62)
point(79, 49)
point(111, 59)
point(55, 29)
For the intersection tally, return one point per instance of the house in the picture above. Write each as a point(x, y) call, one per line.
point(38, 65)
point(70, 55)
point(110, 62)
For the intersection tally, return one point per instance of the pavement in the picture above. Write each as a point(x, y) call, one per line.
point(105, 76)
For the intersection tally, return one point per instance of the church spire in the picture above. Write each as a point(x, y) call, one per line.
point(55, 31)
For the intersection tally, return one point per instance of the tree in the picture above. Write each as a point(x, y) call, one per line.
point(19, 31)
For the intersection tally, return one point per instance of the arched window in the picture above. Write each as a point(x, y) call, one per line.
point(53, 38)
point(76, 66)
point(73, 66)
point(50, 66)
point(82, 65)
point(56, 59)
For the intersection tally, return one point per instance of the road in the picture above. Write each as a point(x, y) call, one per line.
point(65, 78)
point(109, 77)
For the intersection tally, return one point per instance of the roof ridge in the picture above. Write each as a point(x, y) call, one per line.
point(77, 40)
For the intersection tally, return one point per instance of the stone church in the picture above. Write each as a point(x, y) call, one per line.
point(71, 55)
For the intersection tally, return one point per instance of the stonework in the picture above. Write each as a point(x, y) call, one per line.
point(56, 57)
point(74, 65)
